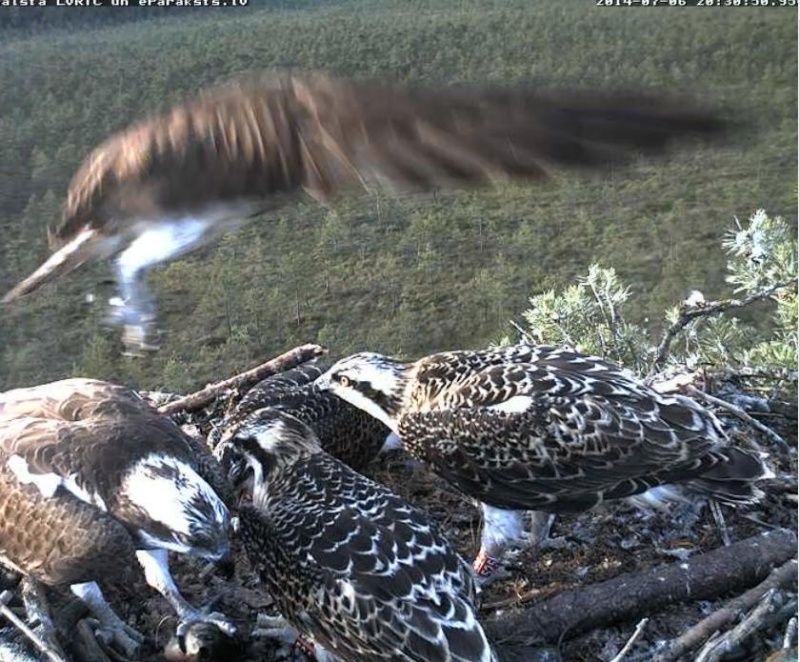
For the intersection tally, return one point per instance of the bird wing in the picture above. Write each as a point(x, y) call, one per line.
point(258, 138)
point(563, 452)
point(72, 400)
point(381, 581)
point(50, 528)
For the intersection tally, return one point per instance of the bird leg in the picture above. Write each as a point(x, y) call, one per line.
point(278, 628)
point(159, 242)
point(110, 625)
point(155, 563)
point(501, 528)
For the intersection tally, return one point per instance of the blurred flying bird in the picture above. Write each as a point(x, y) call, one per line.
point(167, 185)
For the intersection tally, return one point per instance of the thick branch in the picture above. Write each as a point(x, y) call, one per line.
point(206, 396)
point(634, 595)
point(706, 308)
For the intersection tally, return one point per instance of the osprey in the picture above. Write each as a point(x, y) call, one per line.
point(344, 431)
point(350, 565)
point(546, 429)
point(92, 479)
point(170, 184)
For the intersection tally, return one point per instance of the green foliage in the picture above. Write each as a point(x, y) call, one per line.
point(762, 267)
point(401, 275)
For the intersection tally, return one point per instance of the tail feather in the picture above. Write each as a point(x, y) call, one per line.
point(73, 254)
point(733, 479)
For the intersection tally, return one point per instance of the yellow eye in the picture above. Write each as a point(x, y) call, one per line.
point(344, 380)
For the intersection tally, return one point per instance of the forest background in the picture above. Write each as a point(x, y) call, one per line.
point(402, 275)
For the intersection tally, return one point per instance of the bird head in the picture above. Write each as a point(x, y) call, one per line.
point(369, 381)
point(265, 440)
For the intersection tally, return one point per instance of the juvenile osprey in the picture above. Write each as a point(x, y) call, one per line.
point(93, 479)
point(344, 431)
point(163, 187)
point(545, 429)
point(350, 565)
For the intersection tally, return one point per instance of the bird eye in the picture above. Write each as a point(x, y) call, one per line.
point(344, 380)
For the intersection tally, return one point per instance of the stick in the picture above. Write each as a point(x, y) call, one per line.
point(773, 436)
point(206, 396)
point(785, 575)
point(690, 312)
point(629, 644)
point(633, 595)
point(48, 651)
point(765, 613)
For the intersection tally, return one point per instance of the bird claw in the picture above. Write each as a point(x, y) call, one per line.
point(275, 627)
point(138, 328)
point(122, 637)
point(220, 621)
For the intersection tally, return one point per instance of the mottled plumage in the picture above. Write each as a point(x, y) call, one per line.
point(173, 182)
point(92, 479)
point(349, 563)
point(541, 428)
point(344, 431)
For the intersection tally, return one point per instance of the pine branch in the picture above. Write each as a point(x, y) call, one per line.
point(688, 313)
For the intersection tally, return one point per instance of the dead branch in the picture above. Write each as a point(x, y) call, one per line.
point(206, 396)
point(785, 575)
point(50, 650)
point(773, 608)
point(739, 413)
point(689, 312)
point(633, 595)
point(629, 644)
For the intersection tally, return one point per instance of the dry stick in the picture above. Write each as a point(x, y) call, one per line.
point(739, 413)
point(784, 576)
point(632, 595)
point(629, 644)
point(206, 396)
point(688, 313)
point(35, 639)
point(770, 610)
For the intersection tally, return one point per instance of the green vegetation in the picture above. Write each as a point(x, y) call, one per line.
point(400, 275)
point(594, 315)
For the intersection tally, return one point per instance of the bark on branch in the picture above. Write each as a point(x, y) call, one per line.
point(706, 308)
point(633, 595)
point(206, 396)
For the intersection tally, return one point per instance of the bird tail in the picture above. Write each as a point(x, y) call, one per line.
point(733, 479)
point(85, 246)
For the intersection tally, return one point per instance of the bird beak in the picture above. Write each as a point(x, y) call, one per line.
point(85, 246)
point(323, 382)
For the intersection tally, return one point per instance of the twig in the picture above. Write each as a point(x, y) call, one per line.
point(773, 436)
point(785, 575)
point(629, 644)
point(758, 619)
point(91, 647)
point(521, 598)
point(285, 361)
point(791, 633)
point(689, 313)
point(47, 650)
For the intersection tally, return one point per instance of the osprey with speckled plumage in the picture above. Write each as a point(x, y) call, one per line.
point(351, 566)
point(546, 429)
point(92, 480)
point(170, 184)
point(346, 432)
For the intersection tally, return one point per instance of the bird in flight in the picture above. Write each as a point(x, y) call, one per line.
point(546, 429)
point(165, 186)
